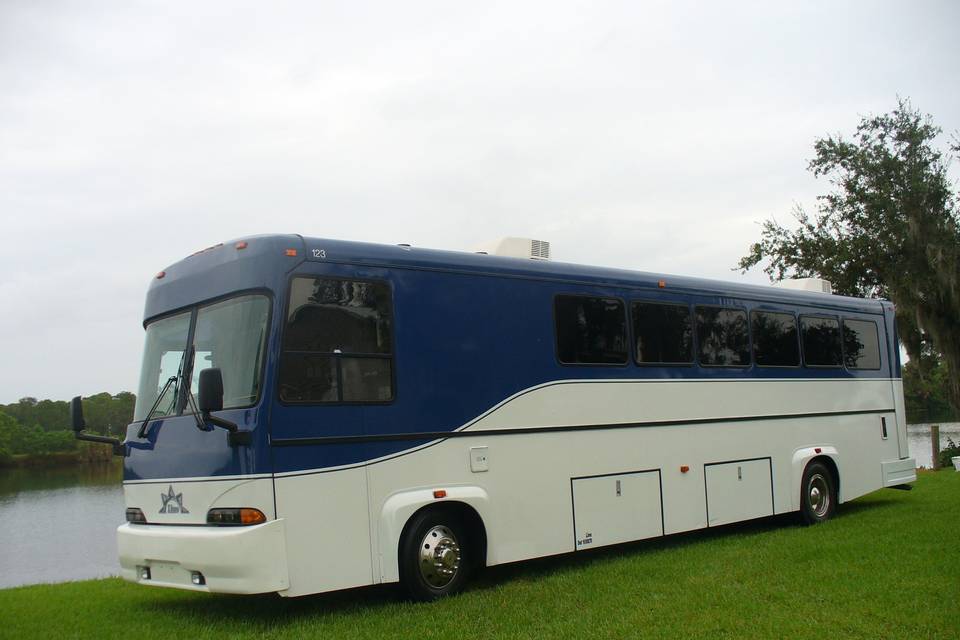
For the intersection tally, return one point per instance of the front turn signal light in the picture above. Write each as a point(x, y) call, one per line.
point(235, 516)
point(136, 516)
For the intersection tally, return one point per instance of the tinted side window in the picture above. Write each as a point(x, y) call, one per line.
point(821, 341)
point(663, 333)
point(723, 337)
point(337, 344)
point(325, 315)
point(775, 340)
point(861, 347)
point(591, 330)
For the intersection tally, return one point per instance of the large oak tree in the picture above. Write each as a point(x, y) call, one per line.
point(888, 228)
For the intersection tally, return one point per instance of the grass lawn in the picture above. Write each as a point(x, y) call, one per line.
point(887, 567)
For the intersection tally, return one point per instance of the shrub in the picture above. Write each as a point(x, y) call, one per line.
point(952, 449)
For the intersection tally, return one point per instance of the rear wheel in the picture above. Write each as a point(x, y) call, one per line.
point(818, 497)
point(435, 555)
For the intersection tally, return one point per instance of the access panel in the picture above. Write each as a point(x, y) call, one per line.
point(740, 490)
point(616, 508)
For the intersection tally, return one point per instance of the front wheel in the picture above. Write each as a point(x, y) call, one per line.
point(818, 497)
point(435, 556)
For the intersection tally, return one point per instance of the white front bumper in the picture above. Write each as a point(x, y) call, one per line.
point(899, 472)
point(232, 559)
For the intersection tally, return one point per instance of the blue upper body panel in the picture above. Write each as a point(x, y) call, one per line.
point(469, 331)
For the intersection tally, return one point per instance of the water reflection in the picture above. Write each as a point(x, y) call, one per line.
point(38, 479)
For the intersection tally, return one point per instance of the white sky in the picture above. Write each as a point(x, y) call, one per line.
point(647, 135)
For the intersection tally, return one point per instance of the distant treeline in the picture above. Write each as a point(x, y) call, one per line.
point(34, 427)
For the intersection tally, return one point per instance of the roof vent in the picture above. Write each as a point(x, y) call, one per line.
point(806, 284)
point(517, 248)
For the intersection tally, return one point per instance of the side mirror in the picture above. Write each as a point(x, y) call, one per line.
point(78, 425)
point(76, 415)
point(210, 391)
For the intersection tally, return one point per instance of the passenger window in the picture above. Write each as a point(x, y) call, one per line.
point(821, 341)
point(723, 337)
point(591, 330)
point(337, 345)
point(775, 339)
point(663, 333)
point(861, 347)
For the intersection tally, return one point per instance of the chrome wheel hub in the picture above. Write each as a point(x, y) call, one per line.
point(818, 492)
point(439, 557)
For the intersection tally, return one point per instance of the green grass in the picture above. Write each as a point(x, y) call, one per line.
point(887, 566)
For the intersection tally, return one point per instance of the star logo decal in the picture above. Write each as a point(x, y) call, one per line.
point(172, 502)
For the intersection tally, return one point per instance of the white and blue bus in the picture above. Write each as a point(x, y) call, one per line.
point(316, 415)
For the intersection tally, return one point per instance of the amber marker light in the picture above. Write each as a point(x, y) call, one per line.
point(240, 245)
point(235, 516)
point(684, 468)
point(662, 284)
point(292, 253)
point(439, 493)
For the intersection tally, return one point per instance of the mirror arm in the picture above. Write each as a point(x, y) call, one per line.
point(220, 422)
point(118, 448)
point(236, 436)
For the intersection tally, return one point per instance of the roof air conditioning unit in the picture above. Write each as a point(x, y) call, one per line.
point(806, 284)
point(517, 248)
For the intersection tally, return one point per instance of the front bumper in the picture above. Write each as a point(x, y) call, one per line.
point(897, 472)
point(232, 559)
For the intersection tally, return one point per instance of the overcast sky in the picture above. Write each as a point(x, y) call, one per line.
point(647, 135)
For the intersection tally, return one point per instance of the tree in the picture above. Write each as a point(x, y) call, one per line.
point(889, 228)
point(926, 399)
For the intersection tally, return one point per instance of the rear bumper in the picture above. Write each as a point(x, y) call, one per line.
point(231, 559)
point(898, 472)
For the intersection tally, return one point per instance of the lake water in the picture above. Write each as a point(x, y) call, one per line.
point(58, 525)
point(918, 435)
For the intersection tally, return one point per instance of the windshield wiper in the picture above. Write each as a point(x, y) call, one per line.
point(195, 410)
point(142, 433)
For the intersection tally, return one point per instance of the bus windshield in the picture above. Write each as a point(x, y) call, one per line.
point(229, 335)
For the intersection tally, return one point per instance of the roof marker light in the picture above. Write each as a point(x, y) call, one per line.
point(240, 245)
point(684, 468)
point(292, 253)
point(161, 275)
point(662, 284)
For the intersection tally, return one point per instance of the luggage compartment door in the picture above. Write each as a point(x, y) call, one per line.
point(616, 508)
point(739, 490)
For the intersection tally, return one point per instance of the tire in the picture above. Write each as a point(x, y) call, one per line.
point(436, 555)
point(818, 494)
